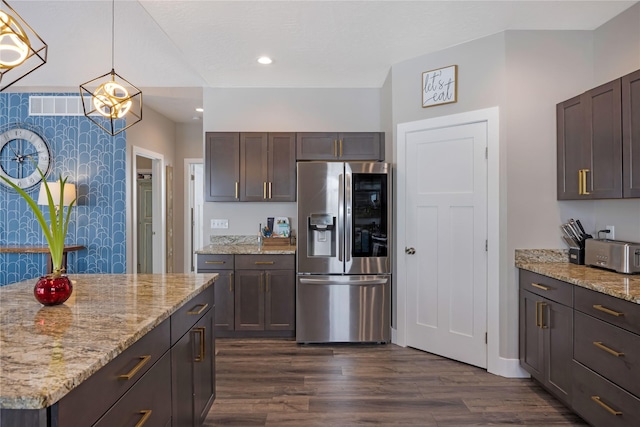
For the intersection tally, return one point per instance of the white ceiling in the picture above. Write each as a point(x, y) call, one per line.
point(172, 49)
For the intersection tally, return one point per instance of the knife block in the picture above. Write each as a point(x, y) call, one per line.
point(576, 256)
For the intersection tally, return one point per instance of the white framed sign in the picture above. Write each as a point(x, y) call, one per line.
point(440, 86)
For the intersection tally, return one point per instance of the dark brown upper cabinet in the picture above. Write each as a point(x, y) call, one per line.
point(589, 140)
point(631, 134)
point(340, 146)
point(599, 142)
point(222, 167)
point(267, 167)
point(250, 167)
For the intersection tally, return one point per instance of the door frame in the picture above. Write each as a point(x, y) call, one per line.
point(159, 209)
point(495, 230)
point(187, 206)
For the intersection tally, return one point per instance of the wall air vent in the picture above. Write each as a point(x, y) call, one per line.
point(41, 105)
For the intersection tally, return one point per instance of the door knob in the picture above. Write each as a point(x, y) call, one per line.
point(410, 251)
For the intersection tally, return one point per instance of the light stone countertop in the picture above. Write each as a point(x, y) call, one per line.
point(45, 352)
point(242, 249)
point(554, 264)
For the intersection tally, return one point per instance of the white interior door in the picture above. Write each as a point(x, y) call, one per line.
point(446, 225)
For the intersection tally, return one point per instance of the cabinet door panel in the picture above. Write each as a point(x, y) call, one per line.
point(631, 134)
point(222, 167)
point(253, 167)
point(603, 114)
point(531, 356)
point(249, 300)
point(280, 300)
point(204, 381)
point(558, 346)
point(361, 146)
point(282, 167)
point(570, 122)
point(317, 146)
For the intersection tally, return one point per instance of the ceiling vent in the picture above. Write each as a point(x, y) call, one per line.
point(40, 105)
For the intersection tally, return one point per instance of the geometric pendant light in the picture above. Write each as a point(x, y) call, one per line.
point(110, 101)
point(21, 49)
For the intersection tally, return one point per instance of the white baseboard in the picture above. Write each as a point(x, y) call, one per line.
point(508, 368)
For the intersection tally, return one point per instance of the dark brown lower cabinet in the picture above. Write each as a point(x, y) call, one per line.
point(193, 372)
point(546, 332)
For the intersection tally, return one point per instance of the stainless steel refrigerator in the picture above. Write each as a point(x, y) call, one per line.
point(343, 252)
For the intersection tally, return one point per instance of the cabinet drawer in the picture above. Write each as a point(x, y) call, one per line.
point(214, 262)
point(610, 351)
point(602, 403)
point(148, 402)
point(265, 262)
point(83, 405)
point(183, 319)
point(552, 289)
point(610, 309)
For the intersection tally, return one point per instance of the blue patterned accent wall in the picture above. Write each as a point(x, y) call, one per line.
point(95, 162)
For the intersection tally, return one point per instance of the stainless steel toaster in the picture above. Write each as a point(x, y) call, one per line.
point(623, 257)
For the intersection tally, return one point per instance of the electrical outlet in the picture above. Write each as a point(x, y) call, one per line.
point(219, 223)
point(611, 235)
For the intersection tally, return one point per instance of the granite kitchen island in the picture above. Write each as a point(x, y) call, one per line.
point(85, 362)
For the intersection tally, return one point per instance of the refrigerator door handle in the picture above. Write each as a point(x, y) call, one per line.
point(315, 281)
point(348, 216)
point(340, 218)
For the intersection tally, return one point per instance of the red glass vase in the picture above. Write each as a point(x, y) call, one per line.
point(53, 290)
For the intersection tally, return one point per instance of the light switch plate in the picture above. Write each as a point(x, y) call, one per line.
point(219, 223)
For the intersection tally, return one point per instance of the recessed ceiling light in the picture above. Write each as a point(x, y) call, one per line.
point(199, 109)
point(265, 60)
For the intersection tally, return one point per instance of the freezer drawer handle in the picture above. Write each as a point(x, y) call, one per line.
point(410, 251)
point(347, 283)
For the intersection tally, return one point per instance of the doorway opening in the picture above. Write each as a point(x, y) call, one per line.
point(193, 211)
point(146, 247)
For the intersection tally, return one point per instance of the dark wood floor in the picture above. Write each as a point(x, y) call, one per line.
point(279, 383)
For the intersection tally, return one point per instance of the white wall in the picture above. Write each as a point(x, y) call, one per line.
point(282, 110)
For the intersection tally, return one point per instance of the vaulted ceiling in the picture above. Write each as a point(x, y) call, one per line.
point(172, 49)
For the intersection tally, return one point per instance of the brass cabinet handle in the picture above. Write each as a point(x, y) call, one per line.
point(214, 262)
point(231, 283)
point(538, 314)
point(201, 351)
point(544, 288)
point(203, 307)
point(264, 190)
point(264, 262)
point(237, 188)
point(608, 408)
point(580, 181)
point(270, 190)
point(335, 148)
point(267, 290)
point(146, 414)
point(584, 185)
point(340, 148)
point(607, 310)
point(607, 349)
point(143, 361)
point(542, 306)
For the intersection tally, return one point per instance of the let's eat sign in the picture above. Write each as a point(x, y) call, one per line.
point(440, 86)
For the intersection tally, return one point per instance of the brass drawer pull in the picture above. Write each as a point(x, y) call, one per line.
point(264, 190)
point(607, 310)
point(237, 188)
point(607, 349)
point(544, 288)
point(203, 307)
point(146, 414)
point(201, 353)
point(270, 190)
point(335, 148)
point(584, 182)
point(215, 262)
point(264, 262)
point(340, 148)
point(608, 408)
point(143, 361)
point(542, 306)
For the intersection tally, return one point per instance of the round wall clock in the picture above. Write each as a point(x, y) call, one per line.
point(21, 151)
